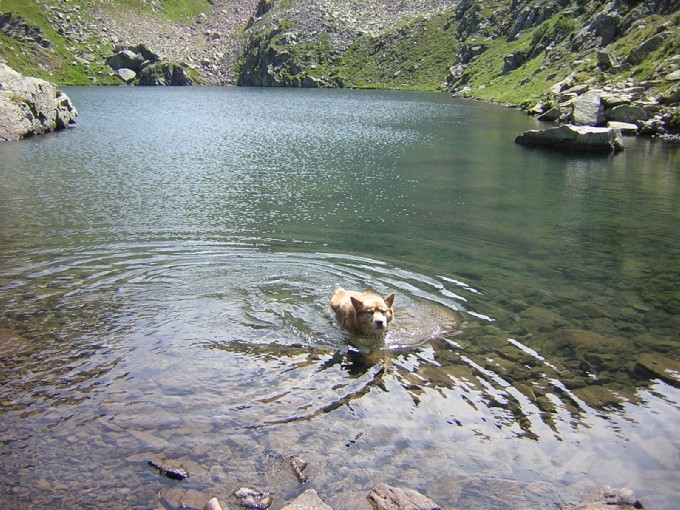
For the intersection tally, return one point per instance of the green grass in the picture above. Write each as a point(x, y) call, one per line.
point(181, 11)
point(414, 56)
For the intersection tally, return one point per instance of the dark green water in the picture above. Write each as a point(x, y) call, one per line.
point(165, 269)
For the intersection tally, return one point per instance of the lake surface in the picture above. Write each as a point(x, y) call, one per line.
point(165, 270)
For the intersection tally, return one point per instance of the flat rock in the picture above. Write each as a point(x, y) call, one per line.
point(626, 128)
point(574, 138)
point(387, 497)
point(308, 500)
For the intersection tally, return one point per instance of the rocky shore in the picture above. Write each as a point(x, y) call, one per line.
point(31, 106)
point(381, 497)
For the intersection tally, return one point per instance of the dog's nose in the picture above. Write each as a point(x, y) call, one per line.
point(379, 324)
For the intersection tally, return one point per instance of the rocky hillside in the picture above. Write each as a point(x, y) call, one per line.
point(535, 54)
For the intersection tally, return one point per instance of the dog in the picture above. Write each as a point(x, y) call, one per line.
point(362, 313)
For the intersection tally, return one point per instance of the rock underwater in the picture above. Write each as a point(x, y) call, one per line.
point(31, 106)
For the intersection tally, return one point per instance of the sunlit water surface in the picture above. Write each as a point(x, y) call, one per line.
point(165, 270)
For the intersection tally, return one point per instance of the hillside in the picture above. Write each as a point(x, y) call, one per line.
point(510, 51)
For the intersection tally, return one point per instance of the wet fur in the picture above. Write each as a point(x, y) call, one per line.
point(362, 313)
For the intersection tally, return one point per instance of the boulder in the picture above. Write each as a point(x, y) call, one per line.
point(386, 497)
point(576, 138)
point(512, 61)
point(588, 110)
point(626, 128)
point(125, 74)
point(606, 59)
point(308, 500)
point(626, 113)
point(164, 73)
point(608, 498)
point(552, 114)
point(125, 59)
point(643, 50)
point(31, 106)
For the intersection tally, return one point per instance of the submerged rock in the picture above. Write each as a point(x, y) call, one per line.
point(661, 366)
point(577, 138)
point(252, 498)
point(387, 497)
point(608, 498)
point(168, 469)
point(31, 106)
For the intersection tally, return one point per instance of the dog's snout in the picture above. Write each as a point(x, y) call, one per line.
point(379, 324)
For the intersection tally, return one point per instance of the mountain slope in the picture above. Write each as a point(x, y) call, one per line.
point(511, 51)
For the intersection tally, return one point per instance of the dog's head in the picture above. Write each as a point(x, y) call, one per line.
point(373, 313)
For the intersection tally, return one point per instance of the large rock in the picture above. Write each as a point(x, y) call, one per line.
point(627, 113)
point(588, 110)
point(608, 498)
point(578, 138)
point(387, 497)
point(643, 50)
point(308, 500)
point(31, 106)
point(164, 73)
point(126, 59)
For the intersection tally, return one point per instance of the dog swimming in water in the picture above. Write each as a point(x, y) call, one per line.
point(362, 313)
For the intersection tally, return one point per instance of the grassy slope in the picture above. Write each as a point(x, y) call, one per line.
point(59, 63)
point(417, 56)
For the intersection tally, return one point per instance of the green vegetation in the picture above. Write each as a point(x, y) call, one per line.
point(181, 11)
point(415, 55)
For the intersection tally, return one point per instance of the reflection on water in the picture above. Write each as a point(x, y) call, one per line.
point(165, 293)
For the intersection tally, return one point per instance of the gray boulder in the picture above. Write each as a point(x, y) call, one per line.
point(627, 113)
point(575, 138)
point(31, 106)
point(643, 50)
point(126, 59)
point(588, 110)
point(386, 497)
point(125, 74)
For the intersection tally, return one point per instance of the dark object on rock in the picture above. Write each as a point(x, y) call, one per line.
point(608, 498)
point(386, 497)
point(574, 138)
point(299, 466)
point(169, 470)
point(252, 498)
point(31, 106)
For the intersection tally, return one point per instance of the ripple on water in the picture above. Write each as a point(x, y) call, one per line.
point(207, 351)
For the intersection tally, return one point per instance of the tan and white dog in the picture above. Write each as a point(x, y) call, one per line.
point(362, 313)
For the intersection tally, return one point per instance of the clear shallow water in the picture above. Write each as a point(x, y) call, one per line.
point(165, 269)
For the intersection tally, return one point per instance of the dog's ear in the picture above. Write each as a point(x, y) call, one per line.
point(357, 304)
point(389, 300)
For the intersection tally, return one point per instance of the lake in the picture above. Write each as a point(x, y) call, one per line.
point(166, 268)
